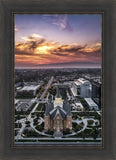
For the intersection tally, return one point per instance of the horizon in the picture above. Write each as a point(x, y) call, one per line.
point(60, 68)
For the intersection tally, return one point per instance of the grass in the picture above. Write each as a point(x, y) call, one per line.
point(25, 97)
point(40, 127)
point(18, 117)
point(87, 114)
point(40, 107)
point(32, 134)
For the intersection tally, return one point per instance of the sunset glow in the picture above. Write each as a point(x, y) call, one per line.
point(64, 40)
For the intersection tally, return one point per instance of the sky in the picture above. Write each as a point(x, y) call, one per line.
point(58, 40)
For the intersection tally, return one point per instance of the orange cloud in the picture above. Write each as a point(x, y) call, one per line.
point(37, 50)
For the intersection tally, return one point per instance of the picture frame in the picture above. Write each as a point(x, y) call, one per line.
point(8, 151)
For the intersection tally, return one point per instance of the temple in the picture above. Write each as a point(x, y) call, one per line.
point(58, 115)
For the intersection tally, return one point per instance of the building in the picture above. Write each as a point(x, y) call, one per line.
point(82, 88)
point(91, 104)
point(79, 106)
point(66, 84)
point(96, 92)
point(29, 89)
point(58, 115)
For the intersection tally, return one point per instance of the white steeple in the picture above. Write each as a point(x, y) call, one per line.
point(58, 99)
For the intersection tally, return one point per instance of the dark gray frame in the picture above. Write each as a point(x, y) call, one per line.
point(7, 7)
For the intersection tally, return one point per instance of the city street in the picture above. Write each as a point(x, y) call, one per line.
point(46, 87)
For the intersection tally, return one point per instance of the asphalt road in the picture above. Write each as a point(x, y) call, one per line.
point(60, 143)
point(46, 87)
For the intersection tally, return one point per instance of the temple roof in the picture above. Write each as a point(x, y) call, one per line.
point(58, 92)
point(56, 111)
point(67, 107)
point(49, 106)
point(63, 112)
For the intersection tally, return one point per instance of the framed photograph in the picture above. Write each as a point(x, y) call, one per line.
point(57, 81)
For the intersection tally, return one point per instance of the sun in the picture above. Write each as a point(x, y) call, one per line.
point(43, 49)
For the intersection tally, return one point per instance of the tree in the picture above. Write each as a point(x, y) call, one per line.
point(83, 134)
point(80, 118)
point(93, 133)
point(90, 122)
point(49, 132)
point(27, 122)
point(67, 131)
point(36, 120)
point(39, 127)
point(82, 124)
point(18, 116)
point(96, 123)
point(78, 127)
point(25, 131)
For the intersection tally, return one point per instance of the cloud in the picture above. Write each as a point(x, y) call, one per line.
point(62, 22)
point(22, 52)
point(34, 44)
point(41, 51)
point(98, 44)
point(91, 52)
point(59, 20)
point(32, 37)
point(73, 48)
point(30, 43)
point(66, 50)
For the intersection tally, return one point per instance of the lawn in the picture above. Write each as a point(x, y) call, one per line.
point(40, 107)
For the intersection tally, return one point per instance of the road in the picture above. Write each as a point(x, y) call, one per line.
point(22, 121)
point(61, 138)
point(46, 87)
point(99, 112)
point(60, 143)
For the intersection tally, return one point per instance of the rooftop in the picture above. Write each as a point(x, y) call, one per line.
point(58, 92)
point(78, 104)
point(90, 102)
point(31, 87)
point(81, 81)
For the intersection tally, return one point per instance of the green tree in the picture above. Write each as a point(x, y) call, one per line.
point(93, 133)
point(83, 134)
point(78, 127)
